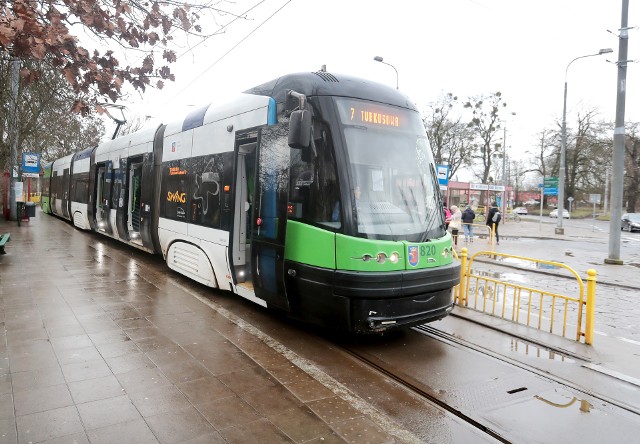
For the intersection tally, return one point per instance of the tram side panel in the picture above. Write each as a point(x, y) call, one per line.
point(189, 220)
point(197, 192)
point(119, 185)
point(60, 172)
point(45, 198)
point(79, 189)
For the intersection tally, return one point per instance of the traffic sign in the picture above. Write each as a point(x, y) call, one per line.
point(550, 186)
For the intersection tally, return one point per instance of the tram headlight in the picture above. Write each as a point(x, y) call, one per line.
point(366, 257)
point(394, 257)
point(381, 258)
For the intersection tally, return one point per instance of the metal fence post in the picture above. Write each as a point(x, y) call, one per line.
point(493, 235)
point(463, 273)
point(591, 306)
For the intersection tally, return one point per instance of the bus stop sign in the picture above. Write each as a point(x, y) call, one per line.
point(30, 164)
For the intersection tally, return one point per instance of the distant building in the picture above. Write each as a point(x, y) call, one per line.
point(480, 195)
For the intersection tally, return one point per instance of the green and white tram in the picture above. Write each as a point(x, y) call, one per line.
point(314, 194)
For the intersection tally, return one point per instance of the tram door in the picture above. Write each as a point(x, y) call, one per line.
point(103, 184)
point(55, 184)
point(65, 193)
point(260, 213)
point(135, 192)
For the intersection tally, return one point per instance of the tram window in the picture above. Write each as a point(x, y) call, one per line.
point(45, 185)
point(81, 188)
point(118, 177)
point(205, 175)
point(174, 197)
point(314, 194)
point(272, 183)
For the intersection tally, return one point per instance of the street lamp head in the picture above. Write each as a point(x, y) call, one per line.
point(379, 59)
point(605, 51)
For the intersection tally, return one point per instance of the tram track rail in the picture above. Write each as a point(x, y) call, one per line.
point(430, 395)
point(422, 391)
point(445, 337)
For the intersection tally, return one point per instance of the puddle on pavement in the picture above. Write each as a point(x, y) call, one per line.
point(538, 419)
point(526, 264)
point(563, 402)
point(533, 351)
point(502, 276)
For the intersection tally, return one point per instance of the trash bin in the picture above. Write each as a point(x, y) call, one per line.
point(30, 209)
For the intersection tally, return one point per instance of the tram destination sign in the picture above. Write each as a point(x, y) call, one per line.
point(360, 112)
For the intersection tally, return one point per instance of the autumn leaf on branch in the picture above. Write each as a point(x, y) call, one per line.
point(48, 32)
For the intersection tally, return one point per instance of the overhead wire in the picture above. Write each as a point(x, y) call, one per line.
point(237, 17)
point(227, 53)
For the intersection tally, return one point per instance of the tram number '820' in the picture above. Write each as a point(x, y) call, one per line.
point(427, 250)
point(415, 252)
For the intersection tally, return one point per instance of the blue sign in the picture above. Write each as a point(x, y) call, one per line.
point(550, 191)
point(442, 171)
point(30, 164)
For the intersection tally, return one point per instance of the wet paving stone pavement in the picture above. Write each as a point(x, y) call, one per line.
point(99, 345)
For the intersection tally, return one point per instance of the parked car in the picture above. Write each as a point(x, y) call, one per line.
point(532, 202)
point(630, 221)
point(520, 210)
point(554, 213)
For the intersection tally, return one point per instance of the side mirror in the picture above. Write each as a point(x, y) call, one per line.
point(300, 129)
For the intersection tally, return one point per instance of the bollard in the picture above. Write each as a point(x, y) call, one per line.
point(591, 306)
point(463, 275)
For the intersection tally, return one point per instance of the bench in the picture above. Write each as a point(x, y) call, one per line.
point(3, 240)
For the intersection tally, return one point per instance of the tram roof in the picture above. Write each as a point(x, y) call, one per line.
point(328, 84)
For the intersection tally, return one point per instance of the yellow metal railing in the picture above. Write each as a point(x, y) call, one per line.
point(490, 234)
point(522, 304)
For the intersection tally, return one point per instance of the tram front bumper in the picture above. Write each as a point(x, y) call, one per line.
point(366, 302)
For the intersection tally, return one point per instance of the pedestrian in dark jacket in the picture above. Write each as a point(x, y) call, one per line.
point(493, 220)
point(468, 216)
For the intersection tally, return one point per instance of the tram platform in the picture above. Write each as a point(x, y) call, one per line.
point(102, 345)
point(97, 347)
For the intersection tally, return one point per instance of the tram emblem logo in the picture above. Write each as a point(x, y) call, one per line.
point(413, 255)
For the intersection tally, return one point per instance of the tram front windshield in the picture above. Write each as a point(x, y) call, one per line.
point(395, 195)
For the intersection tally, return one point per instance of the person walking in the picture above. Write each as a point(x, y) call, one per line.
point(455, 224)
point(493, 220)
point(468, 216)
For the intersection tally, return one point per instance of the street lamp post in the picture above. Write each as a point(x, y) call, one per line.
point(563, 149)
point(379, 59)
point(619, 138)
point(505, 182)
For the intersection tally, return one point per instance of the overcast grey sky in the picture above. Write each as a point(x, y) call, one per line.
point(467, 47)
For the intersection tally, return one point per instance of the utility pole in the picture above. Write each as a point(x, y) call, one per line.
point(606, 190)
point(13, 160)
point(619, 138)
point(504, 170)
